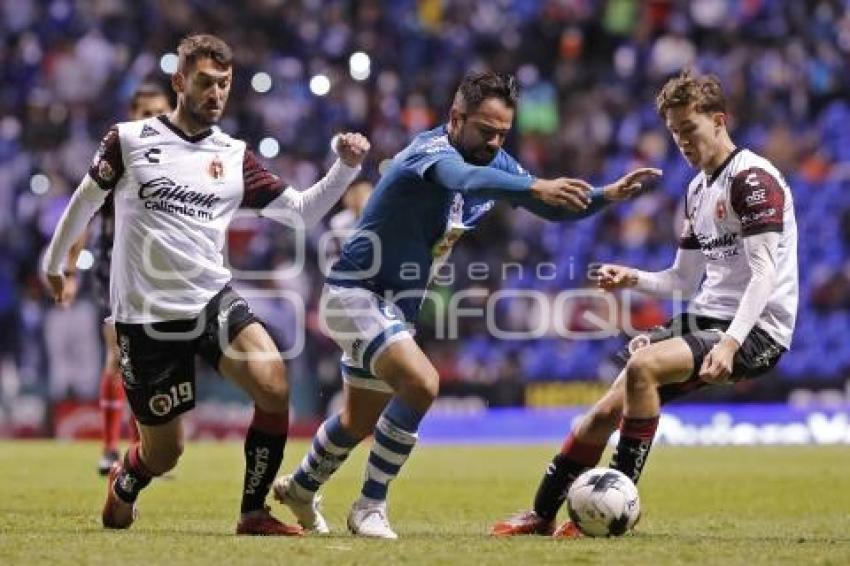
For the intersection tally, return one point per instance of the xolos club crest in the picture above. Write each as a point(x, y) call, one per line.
point(720, 209)
point(216, 168)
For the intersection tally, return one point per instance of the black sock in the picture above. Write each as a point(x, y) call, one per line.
point(575, 457)
point(263, 456)
point(552, 491)
point(134, 477)
point(633, 447)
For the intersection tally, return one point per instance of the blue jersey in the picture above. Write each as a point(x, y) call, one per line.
point(411, 222)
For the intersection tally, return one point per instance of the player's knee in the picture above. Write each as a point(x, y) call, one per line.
point(424, 384)
point(641, 371)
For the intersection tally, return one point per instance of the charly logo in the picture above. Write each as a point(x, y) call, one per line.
point(160, 404)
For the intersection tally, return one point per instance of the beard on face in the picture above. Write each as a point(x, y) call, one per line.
point(197, 113)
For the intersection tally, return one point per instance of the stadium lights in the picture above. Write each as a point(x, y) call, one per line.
point(261, 82)
point(168, 63)
point(320, 85)
point(359, 66)
point(39, 183)
point(269, 148)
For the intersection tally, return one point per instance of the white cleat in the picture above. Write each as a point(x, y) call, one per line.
point(306, 512)
point(370, 520)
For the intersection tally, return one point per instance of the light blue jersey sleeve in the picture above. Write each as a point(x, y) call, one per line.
point(506, 162)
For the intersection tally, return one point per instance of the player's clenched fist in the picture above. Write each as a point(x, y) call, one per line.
point(572, 194)
point(610, 277)
point(351, 148)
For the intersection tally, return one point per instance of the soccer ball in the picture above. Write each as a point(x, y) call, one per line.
point(603, 502)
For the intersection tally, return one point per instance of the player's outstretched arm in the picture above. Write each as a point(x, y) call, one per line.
point(631, 184)
point(553, 204)
point(551, 198)
point(681, 280)
point(85, 201)
point(313, 203)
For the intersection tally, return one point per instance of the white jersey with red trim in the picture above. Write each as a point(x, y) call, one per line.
point(174, 198)
point(746, 196)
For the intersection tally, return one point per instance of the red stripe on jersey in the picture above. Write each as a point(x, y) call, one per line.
point(107, 166)
point(758, 200)
point(261, 186)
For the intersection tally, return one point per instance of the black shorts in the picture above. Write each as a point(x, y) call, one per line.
point(158, 360)
point(758, 354)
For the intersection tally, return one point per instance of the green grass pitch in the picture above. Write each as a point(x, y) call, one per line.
point(743, 505)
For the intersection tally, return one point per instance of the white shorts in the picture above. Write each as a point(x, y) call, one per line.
point(363, 325)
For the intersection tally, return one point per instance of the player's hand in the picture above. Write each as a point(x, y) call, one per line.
point(610, 277)
point(56, 283)
point(351, 148)
point(69, 291)
point(572, 194)
point(630, 184)
point(717, 365)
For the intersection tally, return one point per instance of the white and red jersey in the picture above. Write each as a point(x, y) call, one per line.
point(174, 198)
point(747, 195)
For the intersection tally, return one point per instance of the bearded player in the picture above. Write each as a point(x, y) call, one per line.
point(177, 180)
point(436, 189)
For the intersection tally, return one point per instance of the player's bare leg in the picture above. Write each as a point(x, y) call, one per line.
point(111, 400)
point(669, 361)
point(158, 451)
point(581, 450)
point(253, 362)
point(334, 441)
point(416, 383)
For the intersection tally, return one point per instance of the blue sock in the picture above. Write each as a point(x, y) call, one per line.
point(395, 436)
point(331, 446)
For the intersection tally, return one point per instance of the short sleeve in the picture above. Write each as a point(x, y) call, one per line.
point(758, 199)
point(260, 185)
point(108, 165)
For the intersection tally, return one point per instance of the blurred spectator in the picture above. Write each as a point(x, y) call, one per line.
point(588, 69)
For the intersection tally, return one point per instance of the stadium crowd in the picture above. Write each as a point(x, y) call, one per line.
point(588, 70)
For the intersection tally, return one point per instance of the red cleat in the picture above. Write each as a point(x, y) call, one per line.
point(568, 530)
point(117, 513)
point(262, 523)
point(523, 523)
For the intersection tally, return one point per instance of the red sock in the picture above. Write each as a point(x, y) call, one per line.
point(633, 448)
point(582, 452)
point(112, 408)
point(574, 458)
